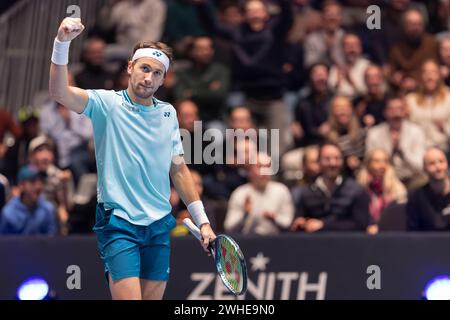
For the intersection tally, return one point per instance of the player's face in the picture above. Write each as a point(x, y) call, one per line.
point(146, 76)
point(436, 165)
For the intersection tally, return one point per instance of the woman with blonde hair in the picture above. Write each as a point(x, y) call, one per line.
point(429, 106)
point(378, 177)
point(343, 128)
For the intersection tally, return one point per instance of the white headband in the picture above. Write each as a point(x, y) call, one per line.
point(152, 53)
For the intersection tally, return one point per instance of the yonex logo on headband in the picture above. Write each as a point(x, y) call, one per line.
point(154, 54)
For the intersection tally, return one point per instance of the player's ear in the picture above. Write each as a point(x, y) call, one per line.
point(129, 67)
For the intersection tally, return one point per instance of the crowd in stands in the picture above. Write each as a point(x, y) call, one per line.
point(362, 117)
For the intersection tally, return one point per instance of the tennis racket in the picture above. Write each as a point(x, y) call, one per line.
point(229, 260)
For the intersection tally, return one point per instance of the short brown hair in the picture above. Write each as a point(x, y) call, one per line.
point(155, 45)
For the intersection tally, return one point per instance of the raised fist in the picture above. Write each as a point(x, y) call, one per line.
point(69, 29)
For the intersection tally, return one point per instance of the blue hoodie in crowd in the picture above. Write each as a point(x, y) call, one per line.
point(18, 219)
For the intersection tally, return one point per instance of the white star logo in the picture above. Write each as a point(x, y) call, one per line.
point(259, 262)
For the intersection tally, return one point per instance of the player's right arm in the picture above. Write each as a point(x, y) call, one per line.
point(73, 98)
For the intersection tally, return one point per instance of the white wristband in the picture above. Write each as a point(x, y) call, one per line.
point(197, 212)
point(60, 54)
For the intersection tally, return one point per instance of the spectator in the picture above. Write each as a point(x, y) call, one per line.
point(402, 140)
point(428, 208)
point(380, 41)
point(181, 21)
point(332, 202)
point(262, 206)
point(226, 178)
point(7, 126)
point(29, 213)
point(429, 107)
point(94, 75)
point(17, 155)
point(306, 20)
point(229, 14)
point(191, 128)
point(311, 170)
point(313, 108)
point(71, 133)
point(205, 82)
point(407, 56)
point(348, 79)
point(240, 121)
point(444, 54)
point(325, 45)
point(378, 177)
point(370, 106)
point(343, 128)
point(137, 20)
point(257, 70)
point(58, 185)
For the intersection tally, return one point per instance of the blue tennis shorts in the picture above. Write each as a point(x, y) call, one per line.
point(129, 250)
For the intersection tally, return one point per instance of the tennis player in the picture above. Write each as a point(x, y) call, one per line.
point(137, 148)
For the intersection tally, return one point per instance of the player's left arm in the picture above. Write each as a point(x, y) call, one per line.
point(185, 186)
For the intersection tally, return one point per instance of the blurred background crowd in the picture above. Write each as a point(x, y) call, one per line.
point(363, 116)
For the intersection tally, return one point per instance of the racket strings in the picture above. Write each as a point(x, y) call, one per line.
point(231, 265)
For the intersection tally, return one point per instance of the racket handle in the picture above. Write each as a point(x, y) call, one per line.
point(192, 228)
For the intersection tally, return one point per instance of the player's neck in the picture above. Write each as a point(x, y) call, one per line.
point(135, 99)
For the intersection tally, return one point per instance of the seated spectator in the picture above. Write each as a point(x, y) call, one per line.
point(58, 185)
point(17, 155)
point(311, 170)
point(370, 106)
point(191, 129)
point(343, 128)
point(205, 82)
point(325, 44)
point(428, 208)
point(348, 79)
point(262, 206)
point(240, 121)
point(444, 55)
point(94, 75)
point(29, 213)
point(332, 202)
point(407, 56)
point(378, 177)
point(429, 107)
point(71, 133)
point(402, 140)
point(313, 109)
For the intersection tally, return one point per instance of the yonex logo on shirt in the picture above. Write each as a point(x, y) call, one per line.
point(167, 114)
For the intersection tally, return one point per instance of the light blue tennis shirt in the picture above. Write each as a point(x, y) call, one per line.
point(134, 146)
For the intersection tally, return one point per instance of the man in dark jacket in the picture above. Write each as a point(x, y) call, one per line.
point(332, 202)
point(428, 207)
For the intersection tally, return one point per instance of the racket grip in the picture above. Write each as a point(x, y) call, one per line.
point(192, 228)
